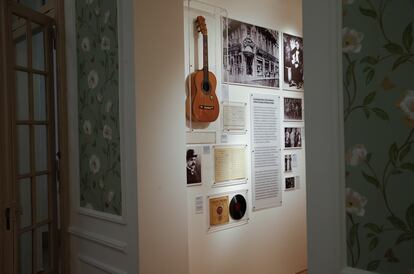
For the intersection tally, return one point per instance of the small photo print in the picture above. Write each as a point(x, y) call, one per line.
point(291, 162)
point(193, 166)
point(292, 109)
point(292, 62)
point(291, 183)
point(293, 137)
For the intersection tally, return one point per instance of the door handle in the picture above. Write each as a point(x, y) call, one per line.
point(7, 216)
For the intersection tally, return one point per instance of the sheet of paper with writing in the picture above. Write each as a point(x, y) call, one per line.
point(229, 163)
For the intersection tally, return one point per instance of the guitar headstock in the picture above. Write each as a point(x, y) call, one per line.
point(201, 25)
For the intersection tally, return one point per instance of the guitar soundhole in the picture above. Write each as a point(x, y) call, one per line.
point(206, 86)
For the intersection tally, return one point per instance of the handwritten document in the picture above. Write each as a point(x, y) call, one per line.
point(234, 117)
point(229, 163)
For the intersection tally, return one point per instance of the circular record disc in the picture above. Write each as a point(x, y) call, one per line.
point(237, 207)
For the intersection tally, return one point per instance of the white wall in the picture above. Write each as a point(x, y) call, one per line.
point(159, 78)
point(274, 240)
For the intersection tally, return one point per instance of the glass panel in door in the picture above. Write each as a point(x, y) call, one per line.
point(20, 40)
point(38, 48)
point(25, 253)
point(22, 95)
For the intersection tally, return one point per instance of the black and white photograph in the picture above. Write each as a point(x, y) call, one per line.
point(292, 108)
point(193, 158)
point(291, 162)
point(291, 183)
point(293, 137)
point(251, 54)
point(293, 62)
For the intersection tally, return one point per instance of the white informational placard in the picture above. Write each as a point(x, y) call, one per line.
point(266, 151)
point(199, 204)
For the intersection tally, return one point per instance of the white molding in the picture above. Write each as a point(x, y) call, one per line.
point(327, 250)
point(72, 85)
point(99, 265)
point(126, 88)
point(99, 239)
point(102, 215)
point(349, 270)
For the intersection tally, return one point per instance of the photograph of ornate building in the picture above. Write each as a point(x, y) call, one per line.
point(250, 54)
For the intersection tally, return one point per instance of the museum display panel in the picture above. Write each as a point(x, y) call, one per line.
point(245, 139)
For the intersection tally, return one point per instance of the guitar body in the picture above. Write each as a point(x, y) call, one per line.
point(204, 103)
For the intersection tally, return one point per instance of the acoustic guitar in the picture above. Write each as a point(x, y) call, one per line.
point(203, 105)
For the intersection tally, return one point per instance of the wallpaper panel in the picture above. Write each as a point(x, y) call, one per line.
point(378, 60)
point(98, 105)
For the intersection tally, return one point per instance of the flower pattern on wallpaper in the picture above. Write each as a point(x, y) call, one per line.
point(378, 59)
point(98, 100)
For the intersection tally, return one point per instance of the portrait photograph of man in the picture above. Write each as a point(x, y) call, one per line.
point(293, 62)
point(193, 158)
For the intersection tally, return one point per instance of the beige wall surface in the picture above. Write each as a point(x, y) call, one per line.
point(159, 74)
point(283, 15)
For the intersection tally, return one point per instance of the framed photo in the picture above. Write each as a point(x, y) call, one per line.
point(251, 54)
point(291, 183)
point(292, 109)
point(293, 137)
point(291, 162)
point(293, 62)
point(193, 166)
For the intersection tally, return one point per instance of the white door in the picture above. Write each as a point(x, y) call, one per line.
point(103, 224)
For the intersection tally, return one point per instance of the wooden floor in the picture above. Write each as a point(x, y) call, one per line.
point(303, 272)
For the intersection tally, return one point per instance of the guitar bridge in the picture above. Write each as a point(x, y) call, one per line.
point(205, 107)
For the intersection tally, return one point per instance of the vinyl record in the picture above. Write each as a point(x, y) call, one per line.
point(237, 207)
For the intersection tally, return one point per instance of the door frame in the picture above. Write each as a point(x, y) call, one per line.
point(324, 132)
point(6, 166)
point(63, 136)
point(6, 236)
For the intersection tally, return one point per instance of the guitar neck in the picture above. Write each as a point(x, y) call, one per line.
point(205, 56)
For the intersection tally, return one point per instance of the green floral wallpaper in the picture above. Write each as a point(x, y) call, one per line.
point(98, 105)
point(378, 60)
